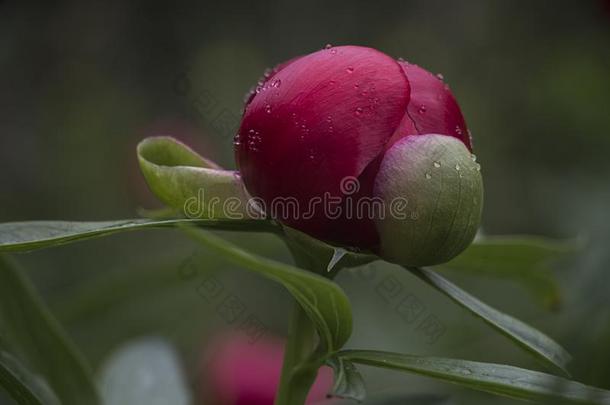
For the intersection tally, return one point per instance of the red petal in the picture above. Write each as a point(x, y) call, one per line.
point(320, 119)
point(432, 108)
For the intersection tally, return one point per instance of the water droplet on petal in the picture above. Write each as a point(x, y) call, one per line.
point(428, 176)
point(276, 83)
point(457, 167)
point(473, 157)
point(437, 164)
point(401, 59)
point(458, 130)
point(478, 167)
point(440, 76)
point(328, 46)
point(236, 141)
point(422, 109)
point(359, 111)
point(349, 69)
point(268, 109)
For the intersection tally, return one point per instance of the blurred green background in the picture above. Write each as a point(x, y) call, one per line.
point(83, 82)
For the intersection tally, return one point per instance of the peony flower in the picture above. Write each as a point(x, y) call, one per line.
point(325, 136)
point(240, 372)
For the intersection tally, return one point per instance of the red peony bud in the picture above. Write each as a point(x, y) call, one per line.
point(316, 130)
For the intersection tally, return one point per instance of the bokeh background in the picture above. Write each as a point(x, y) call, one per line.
point(82, 83)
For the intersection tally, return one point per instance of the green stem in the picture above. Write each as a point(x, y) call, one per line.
point(296, 380)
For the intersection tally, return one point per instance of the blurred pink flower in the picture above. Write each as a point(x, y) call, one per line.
point(239, 372)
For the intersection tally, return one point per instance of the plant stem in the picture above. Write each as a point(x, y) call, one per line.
point(296, 381)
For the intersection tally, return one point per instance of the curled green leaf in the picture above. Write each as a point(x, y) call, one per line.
point(191, 184)
point(324, 302)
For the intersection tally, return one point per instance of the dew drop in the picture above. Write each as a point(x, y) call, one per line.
point(254, 140)
point(276, 83)
point(236, 140)
point(440, 76)
point(457, 167)
point(422, 109)
point(437, 164)
point(458, 130)
point(359, 111)
point(333, 51)
point(473, 157)
point(268, 109)
point(328, 46)
point(349, 69)
point(428, 176)
point(401, 59)
point(478, 167)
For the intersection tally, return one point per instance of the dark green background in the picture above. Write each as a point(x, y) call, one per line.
point(82, 83)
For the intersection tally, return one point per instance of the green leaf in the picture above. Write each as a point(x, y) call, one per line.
point(23, 236)
point(497, 379)
point(32, 336)
point(348, 381)
point(24, 386)
point(322, 257)
point(189, 183)
point(530, 339)
point(395, 399)
point(525, 259)
point(323, 301)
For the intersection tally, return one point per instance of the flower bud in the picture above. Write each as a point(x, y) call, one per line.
point(321, 134)
point(438, 182)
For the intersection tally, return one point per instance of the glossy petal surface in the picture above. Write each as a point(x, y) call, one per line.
point(320, 119)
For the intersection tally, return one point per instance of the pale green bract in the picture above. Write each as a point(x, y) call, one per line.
point(439, 185)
